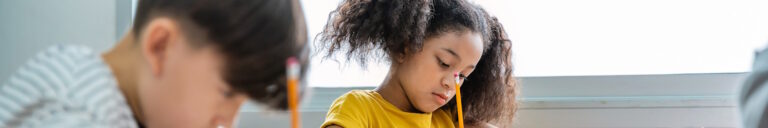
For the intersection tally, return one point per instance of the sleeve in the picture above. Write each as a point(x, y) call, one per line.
point(32, 96)
point(346, 112)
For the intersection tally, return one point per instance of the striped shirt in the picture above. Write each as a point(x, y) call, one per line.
point(64, 87)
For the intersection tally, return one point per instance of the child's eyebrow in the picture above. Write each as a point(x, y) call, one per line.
point(452, 53)
point(457, 56)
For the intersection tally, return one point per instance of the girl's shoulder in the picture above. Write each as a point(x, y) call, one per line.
point(355, 97)
point(350, 109)
point(442, 118)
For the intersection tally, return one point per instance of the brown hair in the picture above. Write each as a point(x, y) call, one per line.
point(364, 29)
point(255, 36)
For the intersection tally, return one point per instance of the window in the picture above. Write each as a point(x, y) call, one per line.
point(597, 37)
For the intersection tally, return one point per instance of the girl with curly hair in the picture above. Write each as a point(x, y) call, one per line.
point(426, 42)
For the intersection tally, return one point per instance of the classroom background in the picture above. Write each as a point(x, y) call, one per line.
point(581, 63)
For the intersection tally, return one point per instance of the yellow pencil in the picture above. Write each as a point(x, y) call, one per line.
point(293, 70)
point(458, 100)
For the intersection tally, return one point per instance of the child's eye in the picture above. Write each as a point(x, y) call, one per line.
point(462, 76)
point(228, 93)
point(442, 64)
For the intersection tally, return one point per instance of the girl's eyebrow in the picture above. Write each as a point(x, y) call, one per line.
point(457, 56)
point(452, 53)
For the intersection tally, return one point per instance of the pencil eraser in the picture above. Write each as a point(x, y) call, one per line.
point(456, 74)
point(293, 69)
point(291, 60)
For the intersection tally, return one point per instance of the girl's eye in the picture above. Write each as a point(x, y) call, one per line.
point(462, 76)
point(442, 64)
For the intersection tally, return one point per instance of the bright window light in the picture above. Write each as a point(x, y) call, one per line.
point(598, 37)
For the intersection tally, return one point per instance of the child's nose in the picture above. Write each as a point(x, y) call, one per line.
point(448, 82)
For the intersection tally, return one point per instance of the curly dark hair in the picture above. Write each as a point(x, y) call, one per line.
point(379, 29)
point(254, 36)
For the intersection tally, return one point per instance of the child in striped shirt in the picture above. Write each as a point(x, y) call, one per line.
point(185, 63)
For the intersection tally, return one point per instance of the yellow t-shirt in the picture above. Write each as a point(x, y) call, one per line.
point(367, 109)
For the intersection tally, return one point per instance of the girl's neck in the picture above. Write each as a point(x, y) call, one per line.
point(393, 92)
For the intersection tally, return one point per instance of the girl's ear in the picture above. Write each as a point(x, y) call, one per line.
point(400, 57)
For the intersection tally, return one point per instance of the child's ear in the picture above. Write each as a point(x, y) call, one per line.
point(158, 35)
point(400, 57)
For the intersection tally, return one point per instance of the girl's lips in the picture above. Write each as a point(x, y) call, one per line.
point(440, 98)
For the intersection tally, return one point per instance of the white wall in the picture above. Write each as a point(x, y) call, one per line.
point(29, 26)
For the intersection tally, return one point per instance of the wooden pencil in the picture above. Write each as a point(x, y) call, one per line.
point(458, 101)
